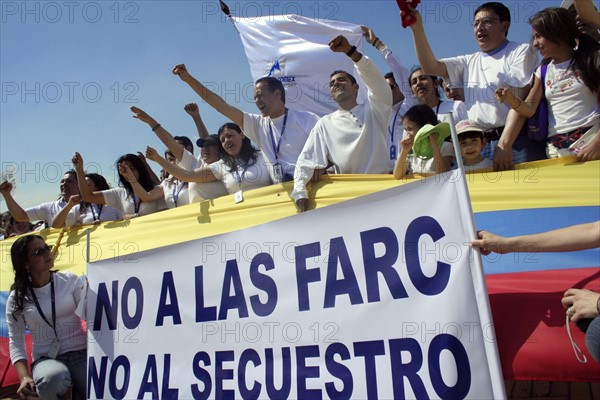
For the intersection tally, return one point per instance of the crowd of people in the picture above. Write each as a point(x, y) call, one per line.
point(501, 98)
point(401, 128)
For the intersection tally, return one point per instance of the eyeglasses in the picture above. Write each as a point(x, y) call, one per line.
point(42, 251)
point(485, 22)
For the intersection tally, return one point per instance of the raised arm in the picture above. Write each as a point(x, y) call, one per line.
point(201, 175)
point(442, 164)
point(571, 238)
point(84, 190)
point(587, 12)
point(402, 164)
point(213, 99)
point(153, 195)
point(161, 133)
point(13, 207)
point(61, 218)
point(194, 112)
point(430, 64)
point(400, 72)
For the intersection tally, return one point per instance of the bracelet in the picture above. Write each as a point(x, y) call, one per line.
point(376, 42)
point(350, 52)
point(155, 127)
point(520, 103)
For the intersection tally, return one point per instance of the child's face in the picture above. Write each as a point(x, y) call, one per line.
point(470, 148)
point(410, 127)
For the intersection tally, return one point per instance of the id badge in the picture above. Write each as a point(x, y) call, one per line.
point(393, 154)
point(238, 197)
point(54, 348)
point(278, 172)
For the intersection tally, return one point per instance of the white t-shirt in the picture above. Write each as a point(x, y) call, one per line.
point(245, 177)
point(419, 165)
point(571, 104)
point(176, 192)
point(483, 164)
point(68, 289)
point(45, 211)
point(93, 212)
point(458, 108)
point(200, 191)
point(482, 73)
point(297, 128)
point(118, 198)
point(354, 141)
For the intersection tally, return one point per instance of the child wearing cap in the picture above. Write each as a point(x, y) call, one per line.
point(472, 141)
point(426, 137)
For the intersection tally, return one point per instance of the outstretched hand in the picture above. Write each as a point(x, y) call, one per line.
point(152, 154)
point(5, 187)
point(181, 71)
point(340, 44)
point(142, 116)
point(126, 172)
point(368, 34)
point(77, 161)
point(192, 109)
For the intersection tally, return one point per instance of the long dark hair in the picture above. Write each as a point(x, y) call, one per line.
point(22, 282)
point(248, 154)
point(559, 26)
point(144, 177)
point(100, 183)
point(436, 82)
point(421, 114)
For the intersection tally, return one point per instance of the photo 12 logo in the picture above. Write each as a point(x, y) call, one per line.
point(52, 12)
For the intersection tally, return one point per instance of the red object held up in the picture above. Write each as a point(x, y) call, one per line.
point(408, 18)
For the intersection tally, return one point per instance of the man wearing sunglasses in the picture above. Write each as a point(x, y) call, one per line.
point(499, 63)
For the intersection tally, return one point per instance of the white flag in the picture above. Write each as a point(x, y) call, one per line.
point(295, 50)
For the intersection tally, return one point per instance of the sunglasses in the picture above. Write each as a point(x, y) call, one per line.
point(42, 251)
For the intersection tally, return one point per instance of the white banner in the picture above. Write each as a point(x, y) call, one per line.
point(295, 50)
point(371, 298)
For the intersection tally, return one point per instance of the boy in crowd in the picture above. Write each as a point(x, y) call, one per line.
point(472, 141)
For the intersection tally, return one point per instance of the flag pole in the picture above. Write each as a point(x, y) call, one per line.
point(227, 12)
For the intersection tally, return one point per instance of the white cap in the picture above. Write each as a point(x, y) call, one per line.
point(566, 4)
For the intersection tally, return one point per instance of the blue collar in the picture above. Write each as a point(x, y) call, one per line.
point(497, 50)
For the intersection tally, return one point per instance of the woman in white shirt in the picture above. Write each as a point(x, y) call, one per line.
point(45, 303)
point(241, 167)
point(571, 85)
point(137, 194)
point(77, 213)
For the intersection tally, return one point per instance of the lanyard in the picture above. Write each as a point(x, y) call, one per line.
point(176, 194)
point(239, 178)
point(96, 217)
point(437, 109)
point(37, 305)
point(393, 127)
point(276, 147)
point(136, 204)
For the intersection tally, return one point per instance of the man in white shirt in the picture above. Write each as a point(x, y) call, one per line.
point(353, 138)
point(279, 132)
point(499, 63)
point(45, 211)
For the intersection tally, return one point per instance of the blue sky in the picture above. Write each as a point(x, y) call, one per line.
point(70, 71)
